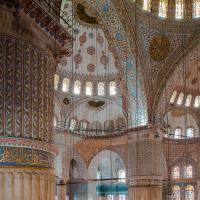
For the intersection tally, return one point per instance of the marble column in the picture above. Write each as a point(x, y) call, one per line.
point(61, 190)
point(27, 66)
point(145, 164)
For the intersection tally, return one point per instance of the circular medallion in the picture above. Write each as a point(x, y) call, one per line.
point(66, 101)
point(91, 67)
point(100, 39)
point(91, 50)
point(78, 58)
point(82, 39)
point(159, 47)
point(63, 62)
point(91, 35)
point(194, 81)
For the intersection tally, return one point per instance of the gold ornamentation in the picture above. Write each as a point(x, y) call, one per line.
point(96, 104)
point(83, 16)
point(16, 156)
point(178, 112)
point(159, 47)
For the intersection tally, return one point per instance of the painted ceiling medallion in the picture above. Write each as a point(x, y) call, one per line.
point(100, 39)
point(96, 104)
point(91, 67)
point(91, 50)
point(78, 58)
point(63, 62)
point(82, 39)
point(194, 81)
point(66, 101)
point(159, 47)
point(83, 16)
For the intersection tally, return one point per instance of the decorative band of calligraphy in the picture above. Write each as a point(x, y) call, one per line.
point(17, 156)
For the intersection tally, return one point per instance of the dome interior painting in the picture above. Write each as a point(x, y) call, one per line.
point(97, 69)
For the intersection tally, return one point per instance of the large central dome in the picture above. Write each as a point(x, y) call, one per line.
point(92, 89)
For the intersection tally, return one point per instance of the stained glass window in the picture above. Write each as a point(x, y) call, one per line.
point(56, 80)
point(98, 175)
point(121, 123)
point(180, 99)
point(188, 171)
point(188, 100)
point(176, 172)
point(113, 88)
point(147, 5)
point(173, 97)
point(101, 89)
point(83, 125)
point(109, 125)
point(190, 132)
point(55, 121)
point(189, 192)
point(177, 133)
point(122, 176)
point(65, 86)
point(110, 197)
point(176, 194)
point(197, 102)
point(179, 9)
point(162, 11)
point(122, 197)
point(196, 8)
point(73, 124)
point(88, 88)
point(77, 87)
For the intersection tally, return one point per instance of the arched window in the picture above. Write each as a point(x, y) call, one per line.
point(196, 8)
point(96, 125)
point(176, 193)
point(122, 176)
point(88, 88)
point(175, 172)
point(189, 132)
point(122, 197)
point(73, 124)
point(83, 125)
point(110, 197)
point(120, 123)
point(101, 89)
point(147, 5)
point(162, 11)
point(173, 97)
point(109, 125)
point(180, 99)
point(65, 86)
point(188, 100)
point(113, 88)
point(179, 9)
point(56, 80)
point(197, 102)
point(177, 133)
point(189, 192)
point(188, 171)
point(55, 121)
point(77, 87)
point(74, 171)
point(98, 175)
